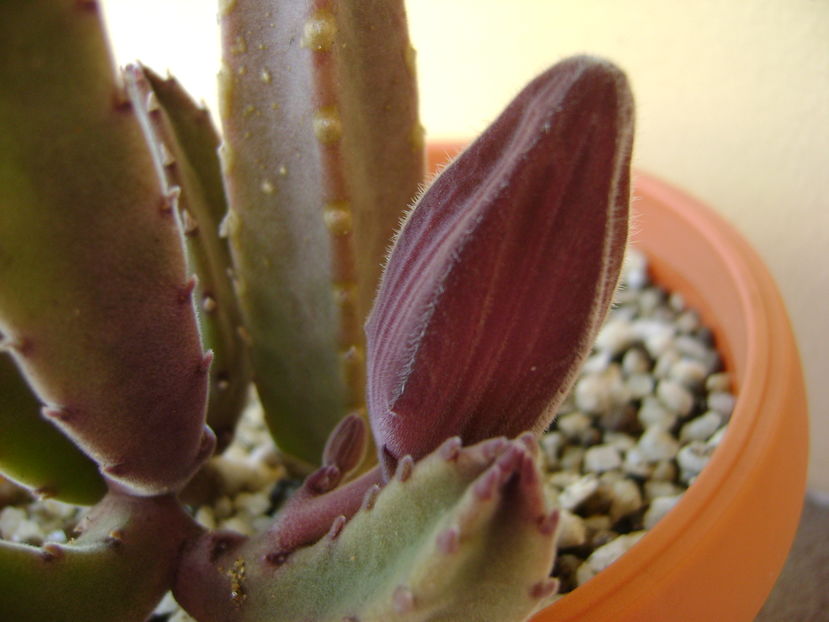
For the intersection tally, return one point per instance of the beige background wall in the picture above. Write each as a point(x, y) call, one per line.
point(733, 103)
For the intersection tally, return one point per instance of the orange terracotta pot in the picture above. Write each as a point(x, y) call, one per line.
point(717, 554)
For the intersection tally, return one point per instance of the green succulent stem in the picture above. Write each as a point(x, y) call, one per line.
point(438, 542)
point(115, 571)
point(184, 145)
point(34, 453)
point(95, 304)
point(322, 154)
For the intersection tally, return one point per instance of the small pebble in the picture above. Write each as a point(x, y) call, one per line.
point(551, 444)
point(575, 426)
point(664, 471)
point(572, 458)
point(639, 385)
point(616, 336)
point(687, 322)
point(694, 348)
point(600, 458)
point(636, 361)
point(701, 428)
point(206, 517)
point(657, 444)
point(653, 413)
point(637, 464)
point(688, 372)
point(563, 479)
point(720, 381)
point(593, 393)
point(656, 488)
point(621, 441)
point(717, 437)
point(721, 402)
point(659, 507)
point(572, 531)
point(650, 299)
point(675, 397)
point(665, 363)
point(625, 499)
point(605, 555)
point(578, 492)
point(692, 458)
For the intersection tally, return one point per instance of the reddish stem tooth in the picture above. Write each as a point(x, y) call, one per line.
point(169, 201)
point(62, 414)
point(167, 158)
point(115, 538)
point(494, 447)
point(370, 498)
point(23, 346)
point(185, 293)
point(448, 541)
point(508, 461)
point(486, 485)
point(117, 470)
point(120, 100)
point(403, 599)
point(207, 444)
point(530, 443)
point(450, 449)
point(277, 558)
point(45, 492)
point(190, 225)
point(549, 523)
point(336, 527)
point(151, 101)
point(51, 551)
point(404, 468)
point(544, 589)
point(204, 364)
point(221, 542)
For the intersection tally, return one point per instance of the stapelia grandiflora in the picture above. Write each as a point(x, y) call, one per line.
point(130, 317)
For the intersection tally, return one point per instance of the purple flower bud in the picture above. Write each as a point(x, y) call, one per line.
point(505, 269)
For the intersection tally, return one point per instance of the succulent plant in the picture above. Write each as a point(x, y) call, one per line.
point(151, 271)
